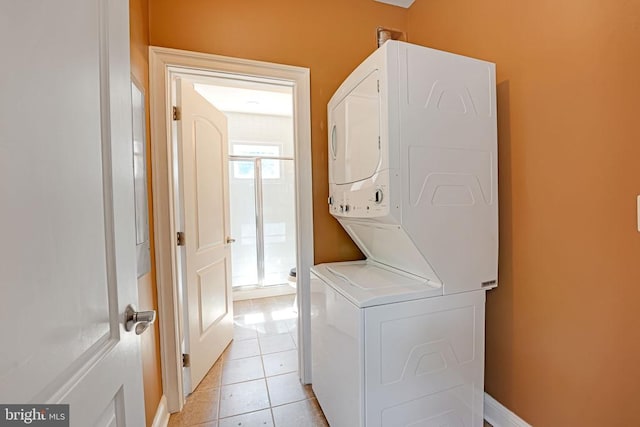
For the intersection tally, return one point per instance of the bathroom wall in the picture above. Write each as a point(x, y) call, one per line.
point(330, 37)
point(563, 327)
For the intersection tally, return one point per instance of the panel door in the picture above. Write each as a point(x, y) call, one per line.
point(67, 262)
point(205, 190)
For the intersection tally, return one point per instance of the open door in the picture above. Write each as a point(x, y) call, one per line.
point(203, 146)
point(66, 185)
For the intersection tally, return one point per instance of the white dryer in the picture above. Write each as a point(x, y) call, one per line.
point(398, 339)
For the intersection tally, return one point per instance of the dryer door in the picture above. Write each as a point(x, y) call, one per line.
point(354, 136)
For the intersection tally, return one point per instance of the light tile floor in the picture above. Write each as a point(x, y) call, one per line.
point(255, 382)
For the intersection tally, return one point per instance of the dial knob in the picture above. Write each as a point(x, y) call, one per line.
point(378, 196)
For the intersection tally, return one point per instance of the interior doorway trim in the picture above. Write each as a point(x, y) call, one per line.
point(161, 62)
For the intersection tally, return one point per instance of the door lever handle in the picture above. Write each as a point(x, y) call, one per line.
point(140, 320)
point(230, 240)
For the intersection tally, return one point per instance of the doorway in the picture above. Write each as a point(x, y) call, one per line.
point(165, 65)
point(235, 205)
point(261, 179)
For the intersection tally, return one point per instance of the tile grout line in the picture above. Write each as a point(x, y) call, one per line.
point(220, 391)
point(264, 371)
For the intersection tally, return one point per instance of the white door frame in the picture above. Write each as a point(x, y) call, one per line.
point(161, 63)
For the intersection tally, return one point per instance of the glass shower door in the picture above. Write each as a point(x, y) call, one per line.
point(243, 223)
point(262, 198)
point(279, 219)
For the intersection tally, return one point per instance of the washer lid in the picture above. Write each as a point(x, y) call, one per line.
point(367, 283)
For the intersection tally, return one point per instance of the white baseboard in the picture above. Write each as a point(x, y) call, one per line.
point(499, 416)
point(266, 292)
point(161, 418)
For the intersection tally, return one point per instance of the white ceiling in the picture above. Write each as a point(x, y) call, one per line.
point(401, 3)
point(239, 96)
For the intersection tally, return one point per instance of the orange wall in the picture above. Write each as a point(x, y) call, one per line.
point(147, 291)
point(563, 327)
point(331, 37)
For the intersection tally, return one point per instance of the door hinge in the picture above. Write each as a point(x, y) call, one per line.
point(180, 238)
point(176, 113)
point(378, 86)
point(378, 143)
point(186, 360)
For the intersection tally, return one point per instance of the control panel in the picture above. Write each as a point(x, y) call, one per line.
point(361, 200)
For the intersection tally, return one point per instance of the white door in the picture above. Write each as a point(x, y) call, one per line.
point(67, 259)
point(202, 138)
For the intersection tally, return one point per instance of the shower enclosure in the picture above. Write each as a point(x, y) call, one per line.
point(262, 197)
point(263, 219)
point(261, 178)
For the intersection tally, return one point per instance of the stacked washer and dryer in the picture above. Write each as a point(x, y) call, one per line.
point(398, 339)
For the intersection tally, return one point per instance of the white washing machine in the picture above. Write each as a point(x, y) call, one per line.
point(398, 339)
point(390, 350)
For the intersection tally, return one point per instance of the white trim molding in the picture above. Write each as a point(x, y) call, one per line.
point(161, 418)
point(499, 416)
point(163, 64)
point(265, 292)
